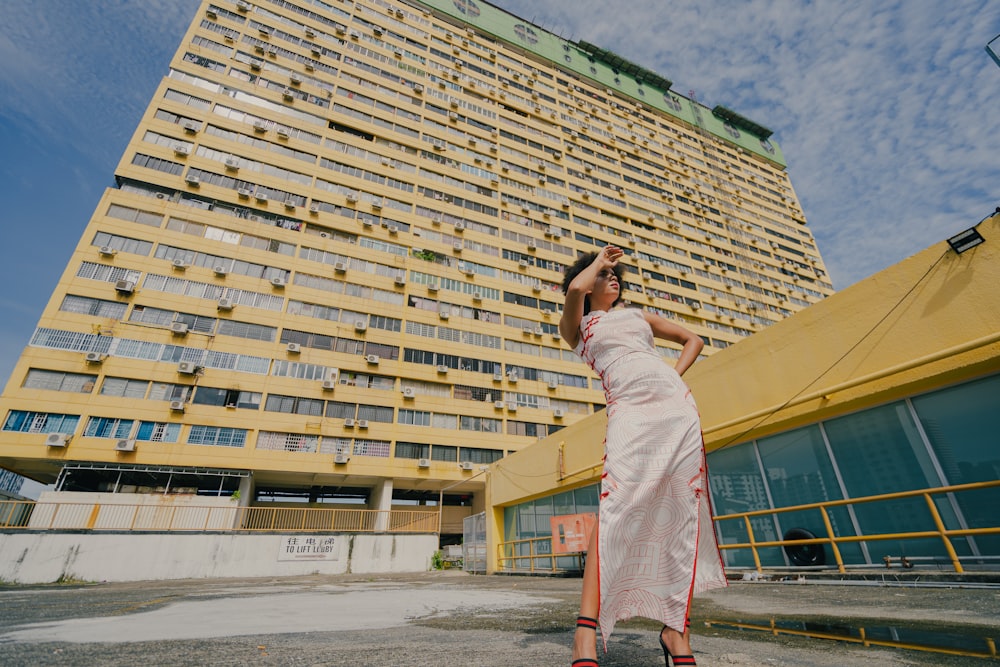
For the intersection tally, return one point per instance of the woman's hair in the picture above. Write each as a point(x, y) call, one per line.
point(582, 262)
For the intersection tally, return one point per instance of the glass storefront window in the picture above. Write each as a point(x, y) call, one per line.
point(799, 471)
point(880, 451)
point(961, 425)
point(737, 486)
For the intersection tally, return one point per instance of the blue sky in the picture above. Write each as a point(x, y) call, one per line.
point(885, 110)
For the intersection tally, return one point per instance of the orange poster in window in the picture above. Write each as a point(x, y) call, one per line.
point(571, 532)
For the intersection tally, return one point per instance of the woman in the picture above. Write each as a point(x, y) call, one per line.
point(654, 546)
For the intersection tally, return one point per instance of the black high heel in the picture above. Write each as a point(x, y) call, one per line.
point(590, 624)
point(678, 660)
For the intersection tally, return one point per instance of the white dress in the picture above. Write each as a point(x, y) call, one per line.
point(656, 542)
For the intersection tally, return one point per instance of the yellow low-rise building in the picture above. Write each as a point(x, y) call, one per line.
point(888, 387)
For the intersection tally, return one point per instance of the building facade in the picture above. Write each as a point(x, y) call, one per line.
point(329, 270)
point(890, 387)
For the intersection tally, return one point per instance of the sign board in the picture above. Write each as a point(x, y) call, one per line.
point(571, 532)
point(308, 547)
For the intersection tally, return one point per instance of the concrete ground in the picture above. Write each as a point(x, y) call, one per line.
point(450, 619)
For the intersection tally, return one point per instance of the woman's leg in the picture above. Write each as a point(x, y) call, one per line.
point(677, 643)
point(585, 640)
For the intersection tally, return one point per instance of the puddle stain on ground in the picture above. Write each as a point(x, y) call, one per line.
point(951, 640)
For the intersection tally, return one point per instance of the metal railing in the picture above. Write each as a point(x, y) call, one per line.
point(539, 558)
point(31, 515)
point(939, 532)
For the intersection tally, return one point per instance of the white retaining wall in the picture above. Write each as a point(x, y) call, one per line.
point(46, 557)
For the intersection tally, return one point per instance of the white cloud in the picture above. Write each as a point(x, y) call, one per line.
point(881, 108)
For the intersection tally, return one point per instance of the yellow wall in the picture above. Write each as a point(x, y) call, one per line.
point(926, 322)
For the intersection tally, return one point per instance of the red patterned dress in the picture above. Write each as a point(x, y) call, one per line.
point(656, 543)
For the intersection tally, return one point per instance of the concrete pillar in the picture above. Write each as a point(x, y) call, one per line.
point(381, 500)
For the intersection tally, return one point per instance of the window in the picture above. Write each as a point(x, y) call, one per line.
point(40, 422)
point(293, 405)
point(217, 436)
point(108, 427)
point(158, 432)
point(412, 450)
point(59, 381)
point(444, 453)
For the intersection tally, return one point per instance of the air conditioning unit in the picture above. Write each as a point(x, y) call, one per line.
point(287, 94)
point(558, 413)
point(220, 270)
point(282, 131)
point(192, 180)
point(400, 281)
point(444, 313)
point(459, 226)
point(179, 328)
point(244, 193)
point(94, 357)
point(257, 63)
point(523, 263)
point(349, 423)
point(377, 205)
point(187, 367)
point(107, 251)
point(225, 303)
point(553, 384)
point(124, 286)
point(465, 465)
point(293, 348)
point(177, 406)
point(442, 368)
point(498, 377)
point(362, 423)
point(512, 407)
point(182, 150)
point(329, 385)
point(340, 30)
point(409, 392)
point(341, 459)
point(355, 34)
point(360, 325)
point(432, 287)
point(418, 88)
point(278, 281)
point(512, 377)
point(340, 267)
point(57, 439)
point(191, 126)
point(457, 246)
point(531, 244)
point(127, 445)
point(372, 359)
point(423, 463)
point(498, 405)
point(477, 296)
point(243, 5)
point(261, 196)
point(180, 264)
point(452, 115)
point(352, 198)
point(232, 164)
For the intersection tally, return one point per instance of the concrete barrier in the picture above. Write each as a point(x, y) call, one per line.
point(48, 556)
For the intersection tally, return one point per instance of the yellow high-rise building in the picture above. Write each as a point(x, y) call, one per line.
point(329, 270)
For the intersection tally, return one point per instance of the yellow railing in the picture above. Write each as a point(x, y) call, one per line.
point(539, 558)
point(30, 515)
point(939, 531)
